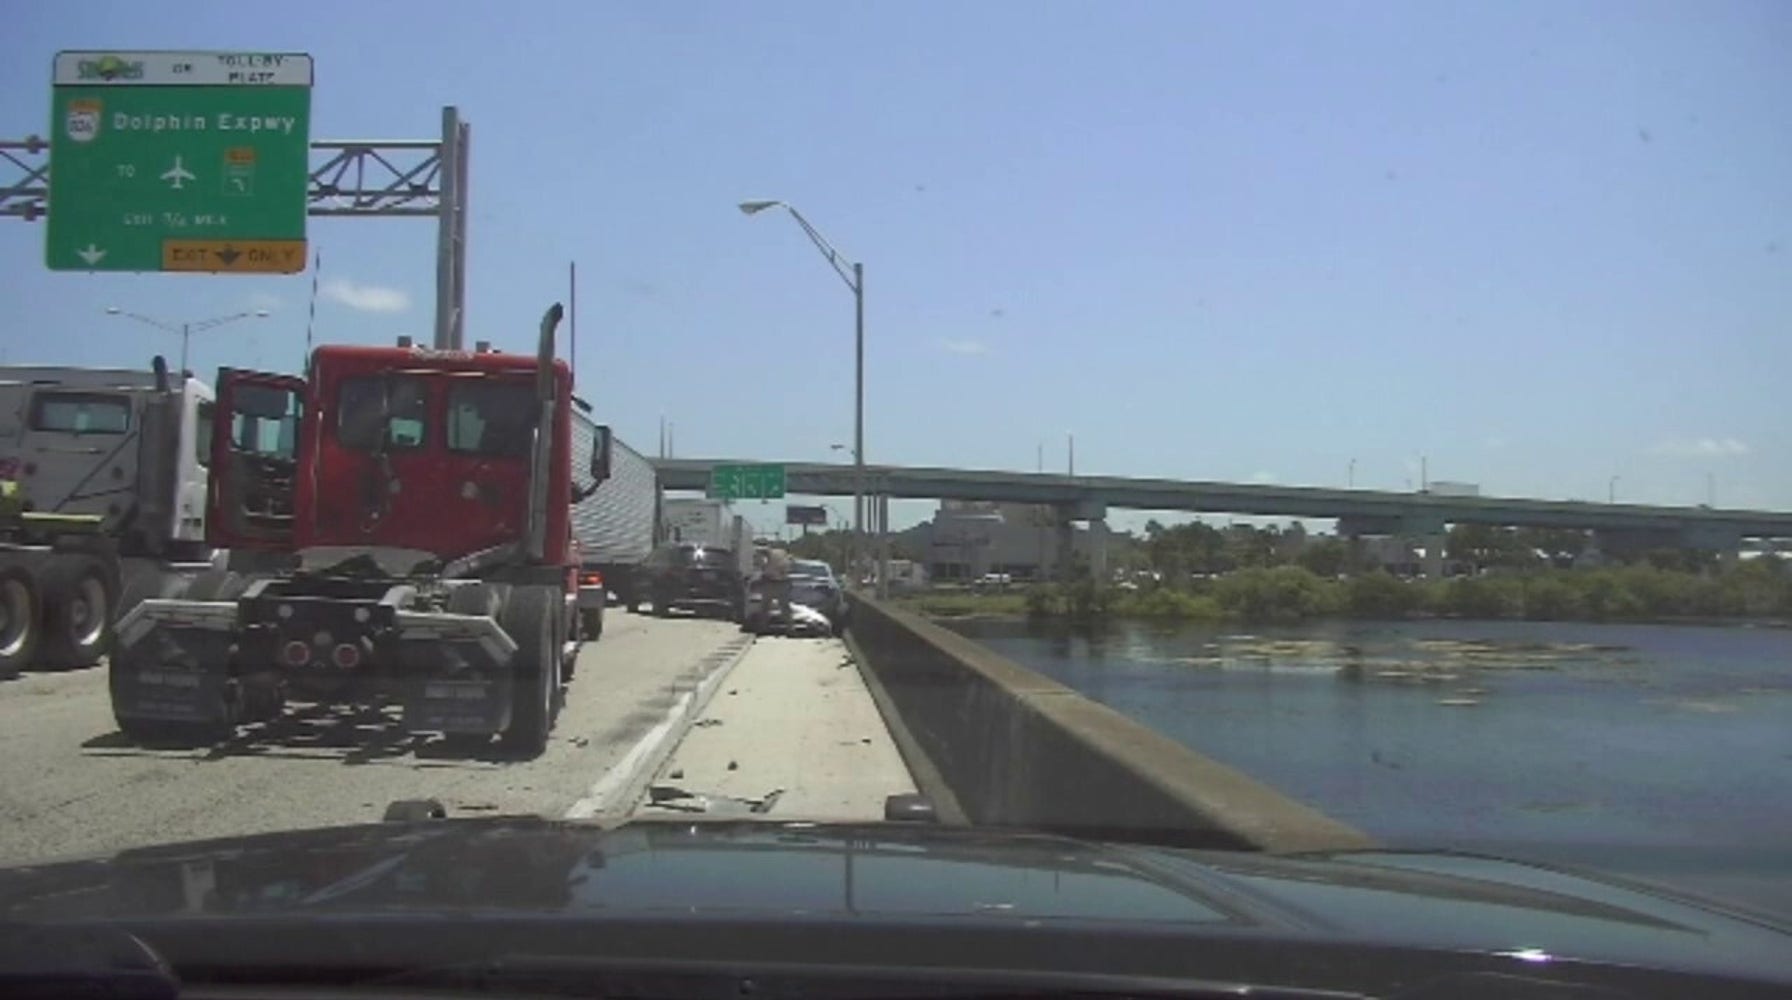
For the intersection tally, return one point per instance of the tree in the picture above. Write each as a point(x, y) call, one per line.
point(1324, 557)
point(1483, 546)
point(1379, 595)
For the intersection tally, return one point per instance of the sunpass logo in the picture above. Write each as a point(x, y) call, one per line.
point(109, 68)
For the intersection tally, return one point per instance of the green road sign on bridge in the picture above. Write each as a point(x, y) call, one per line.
point(746, 482)
point(179, 161)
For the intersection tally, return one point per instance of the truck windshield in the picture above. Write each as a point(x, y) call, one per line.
point(491, 418)
point(80, 413)
point(381, 412)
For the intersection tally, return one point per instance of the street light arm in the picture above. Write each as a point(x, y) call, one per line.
point(139, 317)
point(207, 324)
point(835, 258)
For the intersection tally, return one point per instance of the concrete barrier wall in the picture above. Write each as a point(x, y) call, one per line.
point(1018, 749)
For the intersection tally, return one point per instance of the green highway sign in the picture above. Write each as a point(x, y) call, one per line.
point(746, 482)
point(179, 161)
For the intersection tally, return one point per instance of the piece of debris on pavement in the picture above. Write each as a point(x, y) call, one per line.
point(666, 793)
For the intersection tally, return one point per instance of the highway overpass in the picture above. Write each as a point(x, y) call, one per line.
point(1095, 492)
point(1620, 526)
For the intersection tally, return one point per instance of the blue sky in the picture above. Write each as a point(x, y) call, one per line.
point(1540, 244)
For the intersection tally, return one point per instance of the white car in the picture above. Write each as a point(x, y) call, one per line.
point(818, 603)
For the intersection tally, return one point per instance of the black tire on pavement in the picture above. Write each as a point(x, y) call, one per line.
point(20, 614)
point(591, 624)
point(530, 616)
point(79, 600)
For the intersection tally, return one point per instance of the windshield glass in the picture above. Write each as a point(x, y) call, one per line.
point(81, 412)
point(1281, 428)
point(491, 419)
point(382, 412)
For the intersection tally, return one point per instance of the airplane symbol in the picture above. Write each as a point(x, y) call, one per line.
point(177, 174)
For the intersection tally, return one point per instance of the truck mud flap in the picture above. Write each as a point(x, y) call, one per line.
point(457, 672)
point(172, 662)
point(459, 706)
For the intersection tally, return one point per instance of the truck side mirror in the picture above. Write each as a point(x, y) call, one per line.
point(600, 454)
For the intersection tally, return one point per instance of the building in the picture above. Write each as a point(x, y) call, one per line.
point(968, 539)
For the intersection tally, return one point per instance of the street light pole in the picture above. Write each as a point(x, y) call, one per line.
point(858, 403)
point(854, 277)
point(186, 329)
point(1611, 490)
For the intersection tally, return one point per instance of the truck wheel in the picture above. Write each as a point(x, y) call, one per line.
point(529, 617)
point(591, 624)
point(79, 599)
point(19, 606)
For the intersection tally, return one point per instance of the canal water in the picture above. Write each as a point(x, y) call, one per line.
point(1654, 751)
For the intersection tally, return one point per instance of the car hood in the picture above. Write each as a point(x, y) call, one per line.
point(898, 873)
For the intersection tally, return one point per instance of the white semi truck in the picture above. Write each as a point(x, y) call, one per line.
point(106, 503)
point(710, 522)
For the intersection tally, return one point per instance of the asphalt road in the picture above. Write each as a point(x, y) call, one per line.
point(72, 786)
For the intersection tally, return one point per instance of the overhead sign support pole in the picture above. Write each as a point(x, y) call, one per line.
point(451, 234)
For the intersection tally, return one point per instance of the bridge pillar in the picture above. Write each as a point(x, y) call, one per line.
point(1432, 566)
point(1066, 544)
point(1098, 549)
point(883, 545)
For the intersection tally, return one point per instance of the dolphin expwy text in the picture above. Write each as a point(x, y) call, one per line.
point(223, 121)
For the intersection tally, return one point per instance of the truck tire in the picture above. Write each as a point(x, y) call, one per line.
point(591, 624)
point(530, 616)
point(80, 600)
point(20, 610)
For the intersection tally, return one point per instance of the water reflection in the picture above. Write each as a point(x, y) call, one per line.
point(1457, 733)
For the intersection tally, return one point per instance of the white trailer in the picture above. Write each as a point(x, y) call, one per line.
point(713, 523)
point(616, 526)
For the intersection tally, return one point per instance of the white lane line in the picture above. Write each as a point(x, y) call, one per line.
point(651, 750)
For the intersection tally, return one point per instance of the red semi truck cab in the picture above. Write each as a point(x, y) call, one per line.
point(399, 526)
point(398, 448)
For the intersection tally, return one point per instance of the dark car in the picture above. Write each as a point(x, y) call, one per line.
point(695, 577)
point(717, 909)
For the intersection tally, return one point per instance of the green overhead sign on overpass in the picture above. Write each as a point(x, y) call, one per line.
point(746, 482)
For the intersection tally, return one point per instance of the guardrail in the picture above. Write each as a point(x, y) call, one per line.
point(1015, 749)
